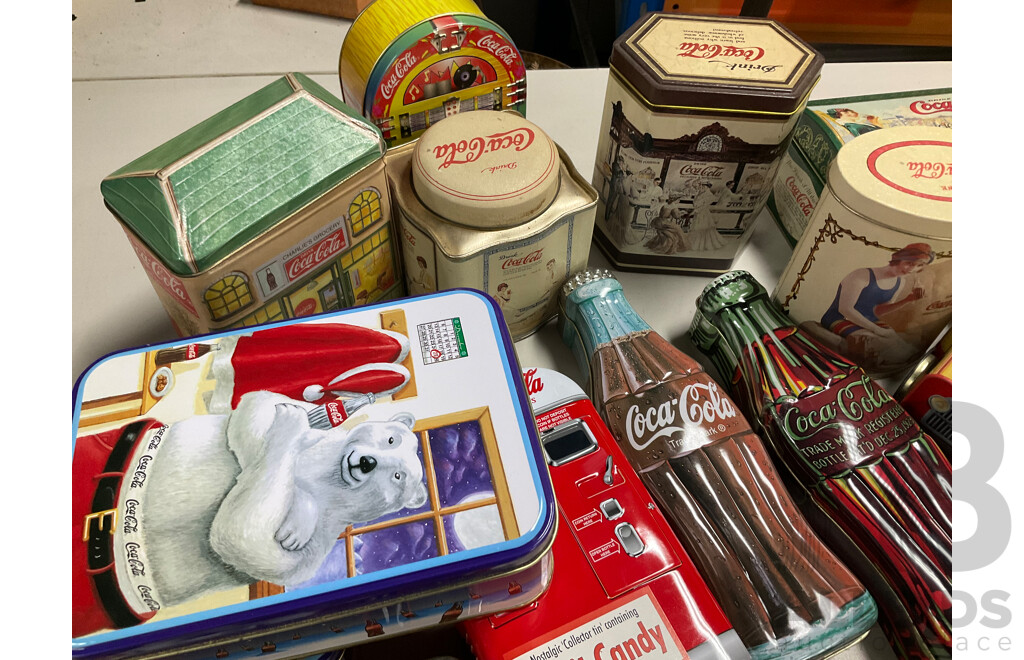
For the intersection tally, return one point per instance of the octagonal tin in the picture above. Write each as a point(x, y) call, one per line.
point(698, 113)
point(307, 485)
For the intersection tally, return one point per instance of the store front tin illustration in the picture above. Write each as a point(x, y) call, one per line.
point(274, 208)
point(408, 65)
point(307, 485)
point(698, 113)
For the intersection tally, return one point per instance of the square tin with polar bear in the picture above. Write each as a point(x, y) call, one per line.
point(307, 485)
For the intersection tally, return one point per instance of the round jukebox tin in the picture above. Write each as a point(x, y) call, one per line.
point(487, 200)
point(872, 275)
point(698, 114)
point(406, 65)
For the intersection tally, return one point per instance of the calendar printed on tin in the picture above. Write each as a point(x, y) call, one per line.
point(442, 340)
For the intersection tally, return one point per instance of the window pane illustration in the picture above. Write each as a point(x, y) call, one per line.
point(227, 296)
point(364, 210)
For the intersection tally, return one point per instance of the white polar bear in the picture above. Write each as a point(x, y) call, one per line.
point(257, 494)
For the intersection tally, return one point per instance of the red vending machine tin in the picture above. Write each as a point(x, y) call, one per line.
point(624, 586)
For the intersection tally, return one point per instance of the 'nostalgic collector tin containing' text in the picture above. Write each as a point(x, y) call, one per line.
point(698, 113)
point(408, 64)
point(487, 200)
point(306, 485)
point(872, 275)
point(276, 207)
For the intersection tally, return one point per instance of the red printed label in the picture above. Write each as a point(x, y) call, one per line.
point(845, 426)
point(163, 277)
point(335, 413)
point(586, 520)
point(316, 255)
point(931, 108)
point(468, 151)
point(707, 51)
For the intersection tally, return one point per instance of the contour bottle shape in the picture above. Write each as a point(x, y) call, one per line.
point(878, 479)
point(786, 594)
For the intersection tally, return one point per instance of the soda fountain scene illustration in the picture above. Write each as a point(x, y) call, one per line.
point(786, 594)
point(862, 459)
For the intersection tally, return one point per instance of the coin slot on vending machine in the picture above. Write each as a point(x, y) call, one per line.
point(568, 442)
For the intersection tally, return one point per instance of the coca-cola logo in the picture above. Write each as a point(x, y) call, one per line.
point(402, 66)
point(316, 255)
point(931, 107)
point(533, 257)
point(710, 171)
point(929, 170)
point(164, 277)
point(146, 593)
point(498, 48)
point(532, 381)
point(801, 198)
point(706, 51)
point(472, 149)
point(693, 414)
point(306, 307)
point(335, 412)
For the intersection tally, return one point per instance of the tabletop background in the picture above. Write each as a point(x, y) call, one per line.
point(143, 72)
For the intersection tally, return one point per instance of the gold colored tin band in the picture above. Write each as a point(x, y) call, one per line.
point(643, 99)
point(876, 222)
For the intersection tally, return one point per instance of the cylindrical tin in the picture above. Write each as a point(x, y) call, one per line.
point(698, 114)
point(406, 65)
point(872, 275)
point(276, 207)
point(487, 200)
point(306, 485)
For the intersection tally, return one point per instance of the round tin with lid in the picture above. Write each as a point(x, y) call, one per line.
point(872, 274)
point(487, 200)
point(698, 114)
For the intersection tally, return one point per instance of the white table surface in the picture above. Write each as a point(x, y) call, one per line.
point(144, 72)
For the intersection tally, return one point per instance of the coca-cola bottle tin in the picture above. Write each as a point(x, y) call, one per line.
point(698, 113)
point(872, 274)
point(487, 200)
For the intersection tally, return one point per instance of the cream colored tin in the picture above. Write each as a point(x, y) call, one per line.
point(487, 200)
point(872, 276)
point(698, 113)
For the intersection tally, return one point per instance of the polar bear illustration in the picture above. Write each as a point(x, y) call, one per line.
point(257, 494)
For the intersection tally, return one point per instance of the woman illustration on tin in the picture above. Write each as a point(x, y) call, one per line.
point(422, 281)
point(704, 231)
point(669, 236)
point(851, 120)
point(865, 297)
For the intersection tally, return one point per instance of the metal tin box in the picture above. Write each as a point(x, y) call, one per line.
point(824, 127)
point(487, 200)
point(406, 65)
point(307, 485)
point(698, 113)
point(872, 275)
point(276, 207)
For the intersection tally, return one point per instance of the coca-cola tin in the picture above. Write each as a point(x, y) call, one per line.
point(307, 485)
point(825, 126)
point(872, 275)
point(698, 113)
point(408, 64)
point(487, 200)
point(274, 208)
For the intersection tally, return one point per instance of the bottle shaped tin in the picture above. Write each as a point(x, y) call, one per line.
point(786, 594)
point(863, 460)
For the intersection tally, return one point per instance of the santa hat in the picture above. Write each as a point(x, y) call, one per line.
point(314, 362)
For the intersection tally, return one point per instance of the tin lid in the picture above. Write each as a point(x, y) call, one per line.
point(716, 63)
point(436, 479)
point(204, 194)
point(486, 169)
point(899, 177)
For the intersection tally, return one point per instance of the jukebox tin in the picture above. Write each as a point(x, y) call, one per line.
point(698, 113)
point(406, 65)
point(276, 207)
point(872, 275)
point(825, 126)
point(487, 200)
point(306, 485)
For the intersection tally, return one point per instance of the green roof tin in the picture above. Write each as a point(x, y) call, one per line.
point(207, 192)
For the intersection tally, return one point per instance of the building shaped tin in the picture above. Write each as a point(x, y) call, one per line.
point(276, 207)
point(698, 113)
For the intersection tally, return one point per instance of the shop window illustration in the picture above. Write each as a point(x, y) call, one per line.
point(468, 505)
point(227, 296)
point(710, 143)
point(364, 210)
